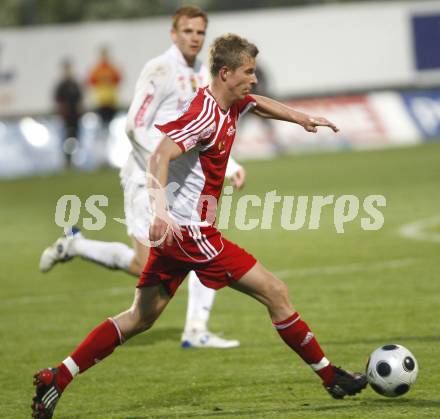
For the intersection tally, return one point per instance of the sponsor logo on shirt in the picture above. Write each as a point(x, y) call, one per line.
point(230, 131)
point(207, 132)
point(190, 142)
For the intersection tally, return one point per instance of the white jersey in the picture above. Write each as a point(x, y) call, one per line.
point(166, 83)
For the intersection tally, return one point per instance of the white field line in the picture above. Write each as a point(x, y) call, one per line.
point(288, 273)
point(38, 299)
point(345, 269)
point(416, 230)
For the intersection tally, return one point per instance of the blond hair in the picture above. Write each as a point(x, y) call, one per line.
point(229, 50)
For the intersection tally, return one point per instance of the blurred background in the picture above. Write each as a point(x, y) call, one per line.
point(372, 67)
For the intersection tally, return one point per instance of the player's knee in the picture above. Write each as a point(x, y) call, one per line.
point(141, 321)
point(143, 324)
point(278, 293)
point(283, 290)
point(283, 295)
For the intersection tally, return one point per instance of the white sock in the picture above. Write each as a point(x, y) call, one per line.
point(200, 301)
point(114, 255)
point(70, 364)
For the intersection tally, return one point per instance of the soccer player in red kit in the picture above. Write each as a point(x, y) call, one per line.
point(194, 153)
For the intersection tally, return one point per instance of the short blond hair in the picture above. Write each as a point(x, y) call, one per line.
point(229, 50)
point(191, 12)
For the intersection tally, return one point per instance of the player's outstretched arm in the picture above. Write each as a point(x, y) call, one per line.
point(166, 151)
point(270, 108)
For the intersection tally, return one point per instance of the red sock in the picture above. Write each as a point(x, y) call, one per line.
point(64, 377)
point(299, 337)
point(98, 344)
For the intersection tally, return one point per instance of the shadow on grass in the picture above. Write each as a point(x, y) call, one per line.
point(253, 413)
point(297, 411)
point(382, 341)
point(173, 334)
point(155, 336)
point(417, 403)
point(293, 411)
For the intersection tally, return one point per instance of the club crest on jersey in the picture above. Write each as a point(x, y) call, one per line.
point(230, 131)
point(207, 132)
point(221, 146)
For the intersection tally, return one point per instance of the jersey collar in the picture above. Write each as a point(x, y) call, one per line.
point(175, 52)
point(208, 93)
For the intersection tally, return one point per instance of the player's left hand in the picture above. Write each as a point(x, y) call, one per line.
point(312, 123)
point(238, 178)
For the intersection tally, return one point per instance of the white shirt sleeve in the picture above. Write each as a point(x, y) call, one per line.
point(232, 167)
point(151, 88)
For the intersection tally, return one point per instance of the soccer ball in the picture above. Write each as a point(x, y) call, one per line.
point(391, 370)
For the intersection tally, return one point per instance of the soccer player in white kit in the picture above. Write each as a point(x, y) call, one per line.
point(166, 83)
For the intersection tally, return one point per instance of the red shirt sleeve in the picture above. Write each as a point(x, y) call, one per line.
point(245, 104)
point(180, 131)
point(190, 129)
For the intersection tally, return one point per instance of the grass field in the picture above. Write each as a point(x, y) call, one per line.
point(356, 290)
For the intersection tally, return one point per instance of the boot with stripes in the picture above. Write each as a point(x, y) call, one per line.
point(47, 394)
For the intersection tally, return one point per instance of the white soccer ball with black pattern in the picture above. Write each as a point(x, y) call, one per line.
point(392, 370)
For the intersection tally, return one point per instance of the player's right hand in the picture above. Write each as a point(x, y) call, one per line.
point(161, 231)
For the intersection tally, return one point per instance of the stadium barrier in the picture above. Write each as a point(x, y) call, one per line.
point(354, 54)
point(424, 109)
point(369, 121)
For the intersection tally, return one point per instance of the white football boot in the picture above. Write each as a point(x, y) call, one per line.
point(206, 339)
point(59, 251)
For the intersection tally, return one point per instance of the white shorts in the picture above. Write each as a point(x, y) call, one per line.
point(137, 210)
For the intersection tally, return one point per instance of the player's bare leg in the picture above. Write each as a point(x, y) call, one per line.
point(273, 293)
point(148, 304)
point(140, 257)
point(116, 255)
point(200, 302)
point(265, 287)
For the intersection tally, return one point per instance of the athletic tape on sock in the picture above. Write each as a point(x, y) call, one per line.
point(320, 365)
point(70, 364)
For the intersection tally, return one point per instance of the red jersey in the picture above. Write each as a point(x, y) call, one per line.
point(205, 133)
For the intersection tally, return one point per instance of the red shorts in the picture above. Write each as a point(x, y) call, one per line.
point(216, 261)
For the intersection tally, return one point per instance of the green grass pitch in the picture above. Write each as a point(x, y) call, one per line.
point(356, 290)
